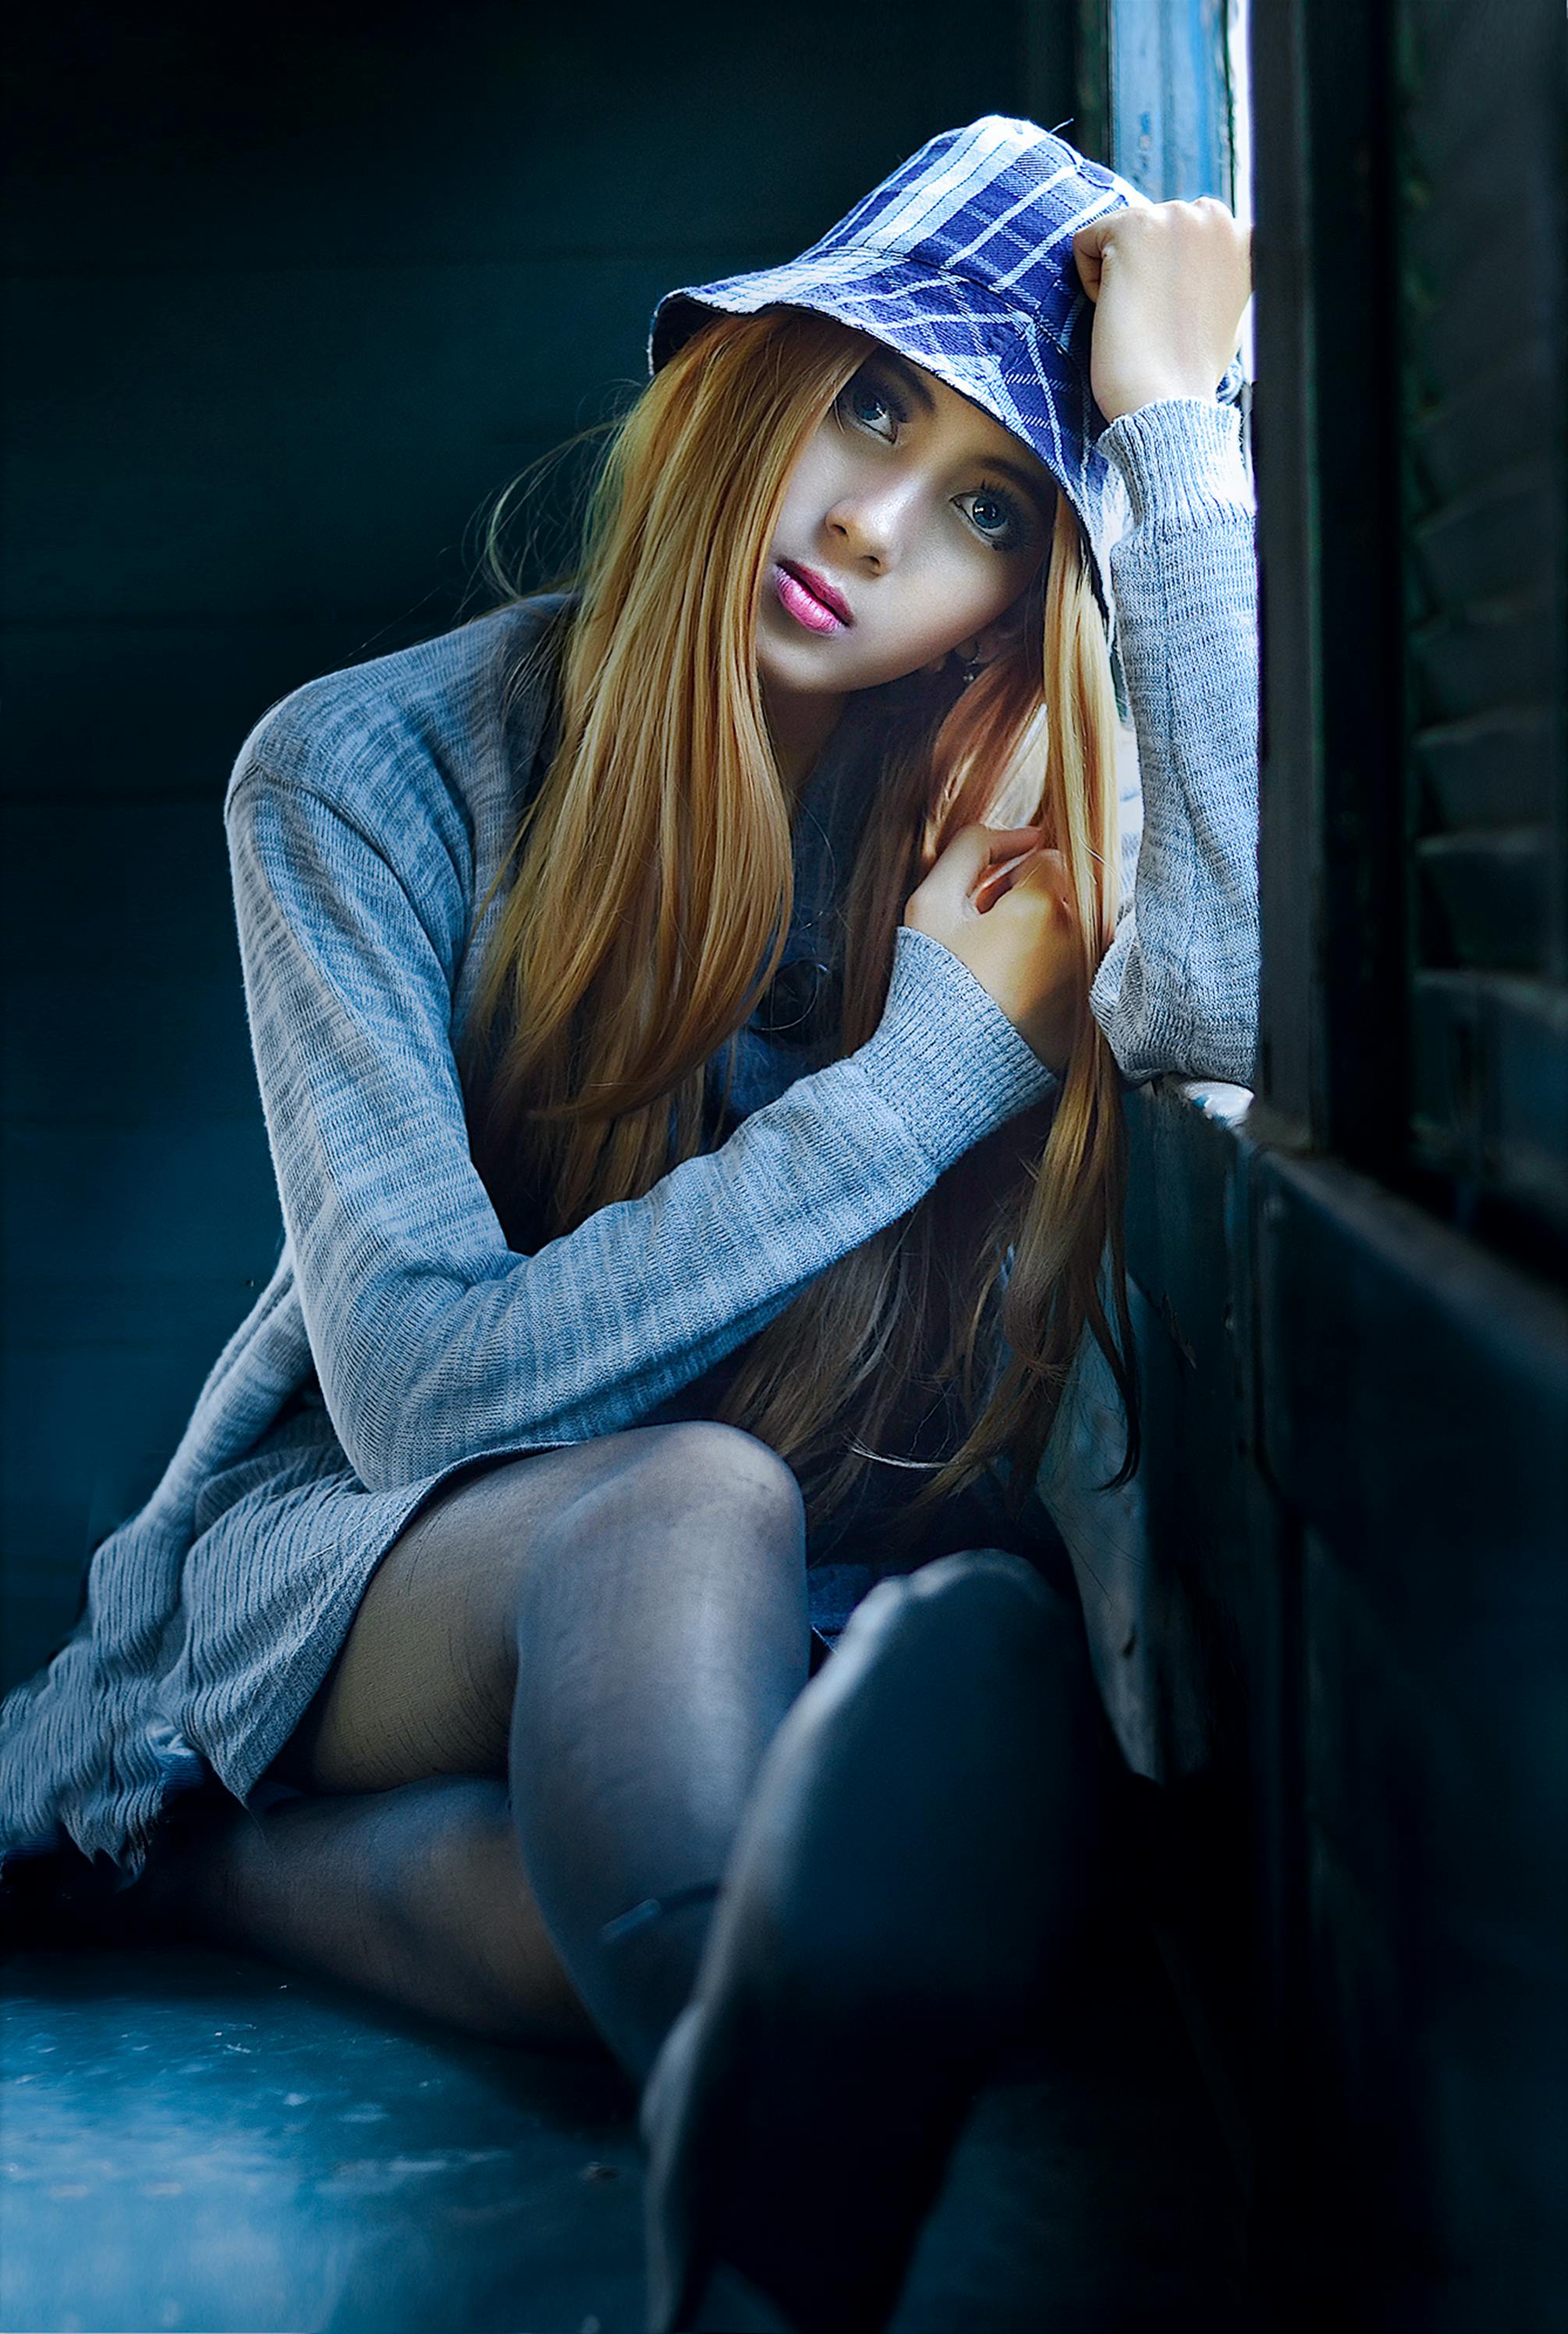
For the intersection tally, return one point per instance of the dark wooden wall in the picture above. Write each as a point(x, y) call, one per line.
point(1349, 1621)
point(1351, 1603)
point(291, 294)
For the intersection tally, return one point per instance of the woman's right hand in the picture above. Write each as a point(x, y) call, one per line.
point(1169, 283)
point(1000, 903)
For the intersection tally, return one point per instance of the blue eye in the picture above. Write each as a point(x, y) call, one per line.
point(995, 515)
point(865, 398)
point(871, 404)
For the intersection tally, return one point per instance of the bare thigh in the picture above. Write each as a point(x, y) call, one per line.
point(424, 1683)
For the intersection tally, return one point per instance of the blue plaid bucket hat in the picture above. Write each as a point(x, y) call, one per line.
point(962, 260)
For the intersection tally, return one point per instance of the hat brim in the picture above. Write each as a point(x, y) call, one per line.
point(997, 357)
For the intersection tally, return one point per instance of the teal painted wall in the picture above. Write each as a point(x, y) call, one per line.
point(290, 296)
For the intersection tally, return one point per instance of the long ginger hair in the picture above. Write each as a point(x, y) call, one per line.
point(649, 907)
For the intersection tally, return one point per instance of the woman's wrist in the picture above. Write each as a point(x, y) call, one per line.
point(945, 1054)
point(1180, 461)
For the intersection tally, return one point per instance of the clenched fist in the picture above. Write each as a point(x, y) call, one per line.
point(1169, 283)
point(1000, 903)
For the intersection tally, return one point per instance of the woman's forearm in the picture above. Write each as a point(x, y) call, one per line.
point(1178, 988)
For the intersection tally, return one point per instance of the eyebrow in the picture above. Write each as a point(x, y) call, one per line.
point(909, 375)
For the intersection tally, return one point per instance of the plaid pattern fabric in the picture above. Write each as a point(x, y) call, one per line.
point(962, 260)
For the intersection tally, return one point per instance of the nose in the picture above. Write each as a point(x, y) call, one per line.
point(869, 524)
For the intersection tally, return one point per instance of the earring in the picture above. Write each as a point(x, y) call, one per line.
point(970, 666)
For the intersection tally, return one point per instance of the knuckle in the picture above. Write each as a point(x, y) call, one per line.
point(1043, 906)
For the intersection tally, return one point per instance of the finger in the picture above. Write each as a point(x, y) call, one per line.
point(962, 860)
point(1011, 847)
point(1090, 241)
point(997, 878)
point(1012, 843)
point(971, 851)
point(1088, 253)
point(1045, 874)
point(990, 886)
point(1035, 885)
point(994, 877)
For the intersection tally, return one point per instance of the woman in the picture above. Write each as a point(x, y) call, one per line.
point(690, 1013)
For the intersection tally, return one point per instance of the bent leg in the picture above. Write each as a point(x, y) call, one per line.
point(662, 1636)
point(415, 1893)
point(625, 1622)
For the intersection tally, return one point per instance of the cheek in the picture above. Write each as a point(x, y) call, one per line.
point(960, 594)
point(992, 592)
point(811, 488)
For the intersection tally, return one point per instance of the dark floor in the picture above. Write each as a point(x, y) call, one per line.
point(192, 2140)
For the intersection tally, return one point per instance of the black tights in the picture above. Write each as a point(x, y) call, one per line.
point(550, 1710)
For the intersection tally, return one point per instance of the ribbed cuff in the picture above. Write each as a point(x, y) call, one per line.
point(945, 1055)
point(1181, 462)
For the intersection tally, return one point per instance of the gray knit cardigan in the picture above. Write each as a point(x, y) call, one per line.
point(399, 1337)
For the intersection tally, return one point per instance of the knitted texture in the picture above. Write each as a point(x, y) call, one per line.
point(1178, 987)
point(366, 817)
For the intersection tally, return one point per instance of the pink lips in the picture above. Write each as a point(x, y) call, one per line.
point(817, 615)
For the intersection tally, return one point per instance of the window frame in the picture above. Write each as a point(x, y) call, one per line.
point(1362, 1017)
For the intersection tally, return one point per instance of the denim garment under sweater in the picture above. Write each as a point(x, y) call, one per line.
point(366, 817)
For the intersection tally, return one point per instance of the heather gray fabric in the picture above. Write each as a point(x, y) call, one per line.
point(398, 1337)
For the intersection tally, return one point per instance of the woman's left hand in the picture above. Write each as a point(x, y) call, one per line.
point(1169, 283)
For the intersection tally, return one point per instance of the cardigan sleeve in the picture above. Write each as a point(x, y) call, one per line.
point(1178, 987)
point(433, 1340)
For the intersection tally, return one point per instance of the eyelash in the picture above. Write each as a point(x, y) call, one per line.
point(1018, 520)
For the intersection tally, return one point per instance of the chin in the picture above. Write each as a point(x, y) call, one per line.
point(807, 675)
